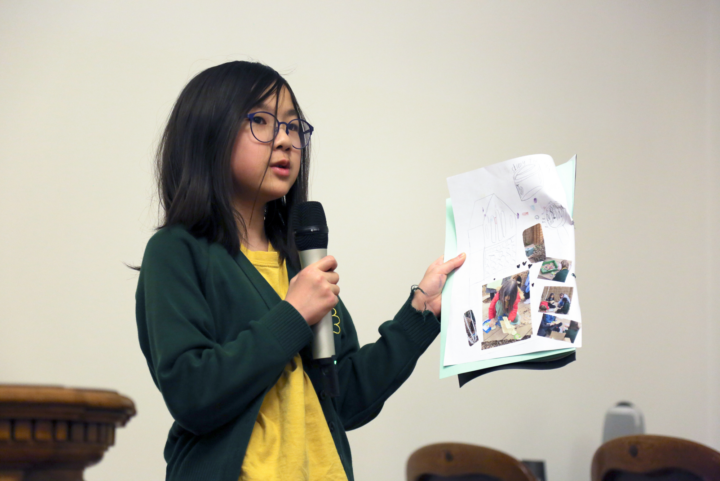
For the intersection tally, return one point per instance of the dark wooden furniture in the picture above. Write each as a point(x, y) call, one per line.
point(463, 461)
point(50, 433)
point(630, 456)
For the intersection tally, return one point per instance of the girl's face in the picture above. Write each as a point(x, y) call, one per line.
point(251, 157)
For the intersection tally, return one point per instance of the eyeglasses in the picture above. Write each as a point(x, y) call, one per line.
point(265, 126)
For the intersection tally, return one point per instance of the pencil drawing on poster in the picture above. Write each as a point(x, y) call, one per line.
point(556, 215)
point(555, 218)
point(492, 229)
point(528, 178)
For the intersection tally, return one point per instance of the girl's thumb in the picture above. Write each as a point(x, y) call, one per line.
point(456, 262)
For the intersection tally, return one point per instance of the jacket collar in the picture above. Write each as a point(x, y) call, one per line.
point(264, 289)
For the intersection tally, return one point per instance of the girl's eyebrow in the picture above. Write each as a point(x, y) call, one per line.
point(291, 113)
point(267, 108)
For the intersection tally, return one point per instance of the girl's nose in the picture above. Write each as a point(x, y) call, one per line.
point(282, 139)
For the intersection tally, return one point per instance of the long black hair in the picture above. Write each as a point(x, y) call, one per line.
point(194, 157)
point(507, 294)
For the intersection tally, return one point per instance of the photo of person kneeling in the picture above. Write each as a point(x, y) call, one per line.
point(558, 329)
point(556, 300)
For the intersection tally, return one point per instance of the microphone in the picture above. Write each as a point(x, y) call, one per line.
point(311, 238)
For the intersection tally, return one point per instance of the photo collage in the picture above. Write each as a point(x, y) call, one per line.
point(506, 302)
point(556, 297)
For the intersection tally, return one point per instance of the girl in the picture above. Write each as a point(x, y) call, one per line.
point(551, 301)
point(505, 303)
point(224, 312)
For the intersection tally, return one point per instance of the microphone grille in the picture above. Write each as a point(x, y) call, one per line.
point(309, 226)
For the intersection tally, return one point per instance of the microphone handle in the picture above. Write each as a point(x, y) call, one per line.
point(323, 339)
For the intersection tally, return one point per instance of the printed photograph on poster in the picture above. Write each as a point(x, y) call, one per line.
point(506, 315)
point(554, 269)
point(556, 300)
point(559, 329)
point(534, 243)
point(471, 327)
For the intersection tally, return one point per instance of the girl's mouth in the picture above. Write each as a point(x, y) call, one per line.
point(281, 170)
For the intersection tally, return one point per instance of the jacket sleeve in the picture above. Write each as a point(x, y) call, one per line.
point(368, 375)
point(204, 383)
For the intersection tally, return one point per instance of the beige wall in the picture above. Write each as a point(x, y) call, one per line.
point(712, 193)
point(445, 87)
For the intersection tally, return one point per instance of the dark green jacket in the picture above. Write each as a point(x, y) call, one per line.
point(561, 275)
point(571, 334)
point(216, 337)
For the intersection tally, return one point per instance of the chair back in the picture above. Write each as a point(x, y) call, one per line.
point(464, 462)
point(658, 457)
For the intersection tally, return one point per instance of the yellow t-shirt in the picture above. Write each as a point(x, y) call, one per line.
point(291, 439)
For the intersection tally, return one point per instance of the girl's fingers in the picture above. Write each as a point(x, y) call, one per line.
point(453, 264)
point(436, 275)
point(327, 263)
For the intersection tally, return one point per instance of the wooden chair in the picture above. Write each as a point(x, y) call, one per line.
point(456, 461)
point(52, 433)
point(658, 457)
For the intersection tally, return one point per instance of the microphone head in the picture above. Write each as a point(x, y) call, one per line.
point(309, 226)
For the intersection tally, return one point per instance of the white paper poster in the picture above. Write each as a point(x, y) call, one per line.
point(516, 292)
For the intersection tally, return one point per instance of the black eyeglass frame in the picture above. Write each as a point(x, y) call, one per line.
point(307, 132)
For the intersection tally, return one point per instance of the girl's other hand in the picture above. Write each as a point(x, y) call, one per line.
point(314, 291)
point(433, 282)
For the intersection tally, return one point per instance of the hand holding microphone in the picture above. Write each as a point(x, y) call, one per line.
point(314, 291)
